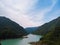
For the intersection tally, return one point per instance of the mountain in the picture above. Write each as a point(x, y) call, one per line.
point(53, 36)
point(31, 29)
point(47, 27)
point(10, 29)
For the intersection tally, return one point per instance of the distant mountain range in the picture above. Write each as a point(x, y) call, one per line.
point(31, 29)
point(10, 29)
point(47, 27)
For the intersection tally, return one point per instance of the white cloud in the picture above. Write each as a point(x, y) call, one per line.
point(39, 16)
point(19, 5)
point(17, 10)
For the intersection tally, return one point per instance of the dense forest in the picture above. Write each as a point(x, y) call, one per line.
point(10, 29)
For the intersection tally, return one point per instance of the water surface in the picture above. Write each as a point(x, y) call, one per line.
point(21, 41)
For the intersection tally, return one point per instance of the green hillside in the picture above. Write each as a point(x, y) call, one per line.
point(10, 29)
point(47, 27)
point(53, 36)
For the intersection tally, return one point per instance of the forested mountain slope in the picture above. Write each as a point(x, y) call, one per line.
point(47, 27)
point(10, 29)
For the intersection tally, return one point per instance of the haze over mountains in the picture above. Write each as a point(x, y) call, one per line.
point(10, 29)
point(31, 29)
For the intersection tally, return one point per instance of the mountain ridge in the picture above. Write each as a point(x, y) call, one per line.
point(10, 29)
point(52, 37)
point(46, 27)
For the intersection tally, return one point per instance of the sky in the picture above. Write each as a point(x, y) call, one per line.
point(30, 13)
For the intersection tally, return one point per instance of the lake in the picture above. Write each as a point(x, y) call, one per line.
point(21, 41)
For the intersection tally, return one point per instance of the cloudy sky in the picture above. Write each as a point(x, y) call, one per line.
point(30, 13)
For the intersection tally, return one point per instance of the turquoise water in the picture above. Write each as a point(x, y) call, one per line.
point(21, 41)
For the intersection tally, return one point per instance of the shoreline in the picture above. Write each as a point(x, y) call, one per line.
point(34, 43)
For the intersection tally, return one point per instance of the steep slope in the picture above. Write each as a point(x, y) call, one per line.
point(31, 29)
point(10, 29)
point(52, 37)
point(42, 30)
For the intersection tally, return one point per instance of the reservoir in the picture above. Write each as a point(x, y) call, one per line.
point(22, 41)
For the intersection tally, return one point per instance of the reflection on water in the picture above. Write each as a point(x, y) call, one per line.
point(21, 41)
